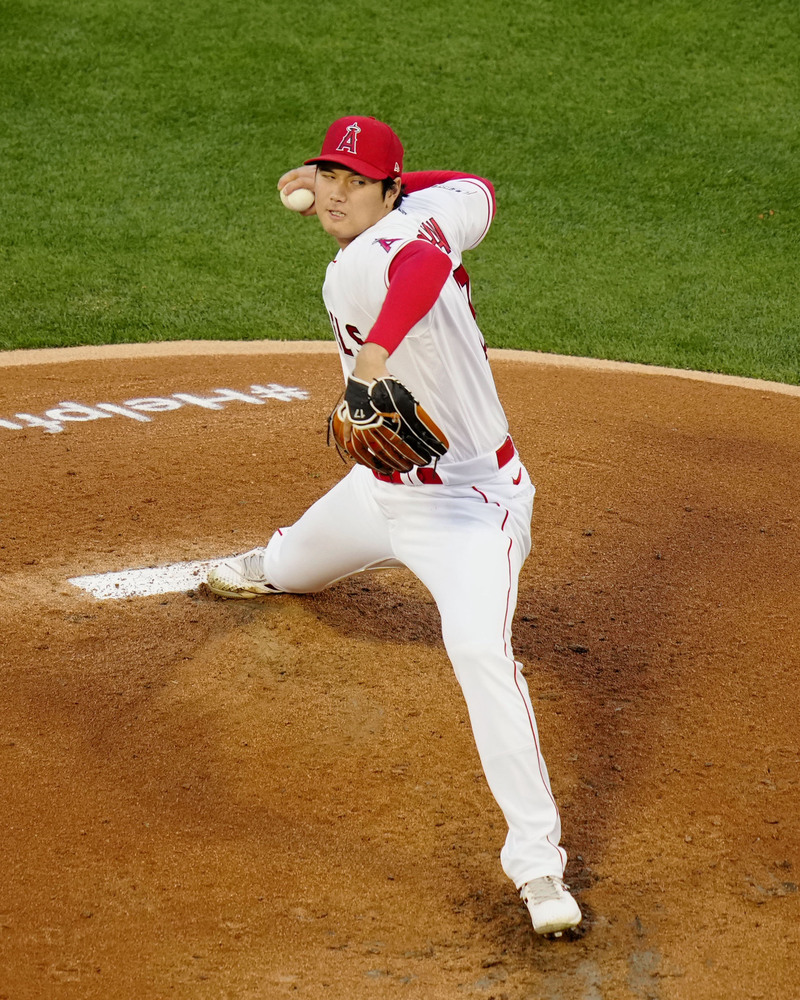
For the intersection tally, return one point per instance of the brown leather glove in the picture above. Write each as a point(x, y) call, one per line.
point(380, 424)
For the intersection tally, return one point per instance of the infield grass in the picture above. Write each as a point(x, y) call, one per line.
point(645, 155)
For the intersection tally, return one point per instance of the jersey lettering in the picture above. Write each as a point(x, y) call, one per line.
point(349, 139)
point(462, 280)
point(351, 331)
point(432, 232)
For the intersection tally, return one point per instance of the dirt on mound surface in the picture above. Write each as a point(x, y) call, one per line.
point(280, 798)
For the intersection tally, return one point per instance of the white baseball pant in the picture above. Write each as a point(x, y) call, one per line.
point(466, 543)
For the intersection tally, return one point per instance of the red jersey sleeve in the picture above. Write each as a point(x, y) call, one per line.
point(416, 276)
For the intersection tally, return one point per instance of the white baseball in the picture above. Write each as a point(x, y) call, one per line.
point(299, 200)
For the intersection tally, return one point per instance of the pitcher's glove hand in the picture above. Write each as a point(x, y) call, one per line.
point(380, 424)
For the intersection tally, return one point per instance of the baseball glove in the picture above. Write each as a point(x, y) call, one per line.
point(388, 429)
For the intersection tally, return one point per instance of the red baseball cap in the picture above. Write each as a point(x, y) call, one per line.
point(364, 145)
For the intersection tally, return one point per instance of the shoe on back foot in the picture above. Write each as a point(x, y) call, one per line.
point(241, 576)
point(552, 908)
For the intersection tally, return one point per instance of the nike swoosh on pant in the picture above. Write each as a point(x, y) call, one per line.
point(516, 480)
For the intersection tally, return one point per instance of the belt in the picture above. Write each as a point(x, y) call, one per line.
point(430, 477)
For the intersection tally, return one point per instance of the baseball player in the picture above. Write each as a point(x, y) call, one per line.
point(437, 485)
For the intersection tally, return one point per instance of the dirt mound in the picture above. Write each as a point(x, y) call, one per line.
point(210, 799)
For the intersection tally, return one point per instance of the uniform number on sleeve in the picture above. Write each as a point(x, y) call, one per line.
point(432, 232)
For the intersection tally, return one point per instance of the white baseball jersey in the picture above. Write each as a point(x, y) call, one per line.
point(443, 358)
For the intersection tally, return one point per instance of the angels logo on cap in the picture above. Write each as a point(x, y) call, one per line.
point(362, 144)
point(349, 140)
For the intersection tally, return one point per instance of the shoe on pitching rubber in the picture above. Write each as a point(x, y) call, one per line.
point(241, 576)
point(552, 908)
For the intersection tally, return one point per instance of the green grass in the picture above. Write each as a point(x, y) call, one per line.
point(635, 147)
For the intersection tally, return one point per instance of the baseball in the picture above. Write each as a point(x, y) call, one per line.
point(299, 200)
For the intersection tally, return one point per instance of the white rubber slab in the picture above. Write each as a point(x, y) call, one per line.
point(144, 582)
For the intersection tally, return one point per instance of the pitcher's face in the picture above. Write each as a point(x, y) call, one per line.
point(348, 203)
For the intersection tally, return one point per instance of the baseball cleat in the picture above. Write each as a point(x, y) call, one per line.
point(552, 908)
point(241, 576)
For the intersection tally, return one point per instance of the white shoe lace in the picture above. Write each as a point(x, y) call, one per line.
point(253, 566)
point(543, 890)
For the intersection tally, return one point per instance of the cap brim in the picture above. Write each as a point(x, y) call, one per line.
point(351, 163)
